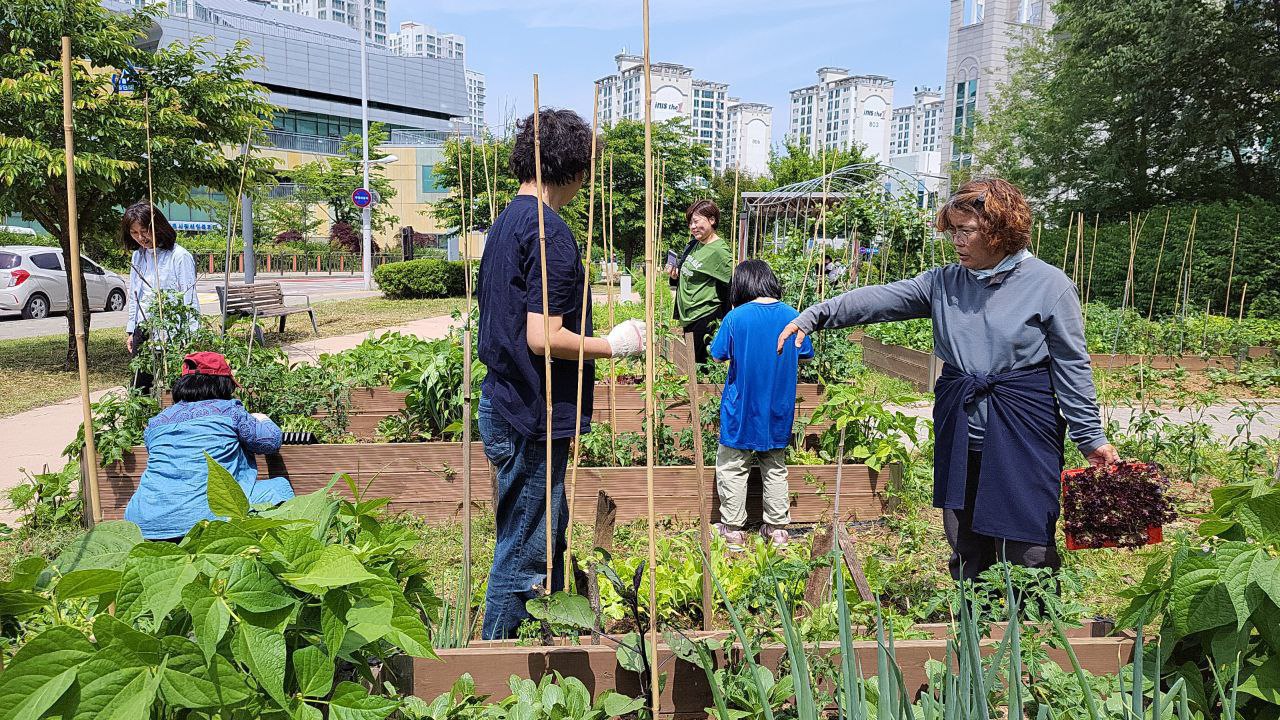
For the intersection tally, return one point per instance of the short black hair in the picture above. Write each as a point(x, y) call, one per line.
point(707, 209)
point(199, 386)
point(565, 145)
point(144, 214)
point(753, 279)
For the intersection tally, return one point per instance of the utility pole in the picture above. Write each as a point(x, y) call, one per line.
point(366, 232)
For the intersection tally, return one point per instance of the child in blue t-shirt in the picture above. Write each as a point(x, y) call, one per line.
point(758, 405)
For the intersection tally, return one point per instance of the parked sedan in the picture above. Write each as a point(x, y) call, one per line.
point(34, 283)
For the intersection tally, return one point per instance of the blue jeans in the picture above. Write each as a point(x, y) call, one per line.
point(519, 557)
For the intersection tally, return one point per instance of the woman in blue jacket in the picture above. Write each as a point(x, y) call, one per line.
point(173, 494)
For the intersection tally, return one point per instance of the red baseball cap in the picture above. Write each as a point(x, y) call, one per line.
point(206, 363)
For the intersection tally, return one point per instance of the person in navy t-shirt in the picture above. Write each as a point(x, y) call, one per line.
point(758, 405)
point(512, 343)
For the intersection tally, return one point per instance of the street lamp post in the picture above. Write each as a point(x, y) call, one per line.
point(366, 240)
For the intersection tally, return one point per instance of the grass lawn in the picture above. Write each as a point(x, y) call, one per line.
point(32, 367)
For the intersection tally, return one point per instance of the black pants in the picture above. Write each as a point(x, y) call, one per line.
point(702, 334)
point(142, 380)
point(973, 552)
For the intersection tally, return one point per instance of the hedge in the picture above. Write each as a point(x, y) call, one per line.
point(425, 278)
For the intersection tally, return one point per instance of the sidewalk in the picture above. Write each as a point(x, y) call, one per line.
point(35, 438)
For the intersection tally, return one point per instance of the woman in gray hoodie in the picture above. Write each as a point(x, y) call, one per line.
point(1009, 328)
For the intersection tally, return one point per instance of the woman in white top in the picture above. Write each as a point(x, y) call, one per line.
point(158, 264)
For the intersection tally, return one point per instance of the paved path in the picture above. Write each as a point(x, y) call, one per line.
point(317, 287)
point(35, 438)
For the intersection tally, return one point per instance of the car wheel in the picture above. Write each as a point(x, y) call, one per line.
point(37, 307)
point(115, 301)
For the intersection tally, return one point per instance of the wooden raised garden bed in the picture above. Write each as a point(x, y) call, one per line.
point(921, 369)
point(686, 693)
point(368, 407)
point(425, 478)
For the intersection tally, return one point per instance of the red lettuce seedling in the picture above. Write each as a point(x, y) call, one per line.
point(1120, 505)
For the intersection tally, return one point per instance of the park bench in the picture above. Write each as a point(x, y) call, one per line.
point(261, 300)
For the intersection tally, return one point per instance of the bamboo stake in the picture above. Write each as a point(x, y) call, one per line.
point(739, 247)
point(1155, 278)
point(158, 383)
point(546, 319)
point(1066, 245)
point(77, 286)
point(464, 592)
point(704, 505)
point(582, 331)
point(1226, 306)
point(1079, 259)
point(649, 377)
point(1243, 290)
point(1039, 233)
point(612, 301)
point(1093, 252)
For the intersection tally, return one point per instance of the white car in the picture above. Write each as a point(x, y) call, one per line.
point(33, 282)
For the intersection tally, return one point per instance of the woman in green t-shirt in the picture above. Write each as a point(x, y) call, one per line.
point(703, 272)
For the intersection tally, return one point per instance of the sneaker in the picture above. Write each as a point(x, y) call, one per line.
point(776, 536)
point(735, 538)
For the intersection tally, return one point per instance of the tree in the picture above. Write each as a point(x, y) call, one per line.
point(330, 182)
point(198, 103)
point(285, 217)
point(1127, 104)
point(797, 164)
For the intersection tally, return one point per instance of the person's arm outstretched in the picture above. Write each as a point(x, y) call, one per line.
point(902, 300)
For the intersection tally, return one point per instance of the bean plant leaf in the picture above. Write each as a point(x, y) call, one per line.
point(116, 684)
point(210, 617)
point(191, 682)
point(352, 702)
point(24, 574)
point(1264, 681)
point(333, 620)
point(262, 650)
point(1239, 559)
point(104, 547)
point(314, 671)
point(154, 575)
point(250, 585)
point(21, 602)
point(1266, 573)
point(335, 567)
point(226, 497)
point(616, 704)
point(109, 631)
point(1201, 602)
point(562, 608)
point(1260, 517)
point(87, 583)
point(220, 540)
point(41, 672)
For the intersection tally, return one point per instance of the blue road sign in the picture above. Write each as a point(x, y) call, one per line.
point(362, 198)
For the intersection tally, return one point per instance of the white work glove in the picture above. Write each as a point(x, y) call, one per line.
point(627, 338)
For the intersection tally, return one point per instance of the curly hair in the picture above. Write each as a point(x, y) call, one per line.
point(1004, 218)
point(565, 145)
point(141, 213)
point(705, 208)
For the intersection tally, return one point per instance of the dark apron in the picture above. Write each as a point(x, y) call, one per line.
point(1019, 481)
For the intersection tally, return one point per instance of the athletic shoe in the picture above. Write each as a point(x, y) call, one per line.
point(735, 538)
point(778, 537)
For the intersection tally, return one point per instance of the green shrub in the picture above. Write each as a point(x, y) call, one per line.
point(427, 278)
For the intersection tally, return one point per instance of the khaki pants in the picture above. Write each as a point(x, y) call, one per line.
point(733, 466)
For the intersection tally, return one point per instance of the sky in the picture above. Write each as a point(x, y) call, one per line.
point(762, 48)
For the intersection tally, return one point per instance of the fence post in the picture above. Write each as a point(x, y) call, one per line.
point(210, 263)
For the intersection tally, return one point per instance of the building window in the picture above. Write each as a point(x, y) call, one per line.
point(973, 11)
point(1031, 12)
